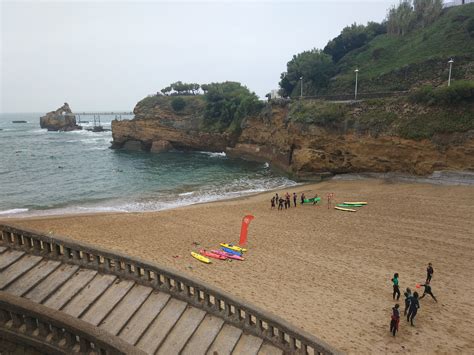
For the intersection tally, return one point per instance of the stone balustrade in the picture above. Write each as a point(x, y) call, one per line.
point(41, 328)
point(206, 297)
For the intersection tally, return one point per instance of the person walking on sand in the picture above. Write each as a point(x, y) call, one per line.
point(429, 273)
point(273, 202)
point(288, 203)
point(408, 297)
point(276, 198)
point(294, 198)
point(413, 310)
point(395, 320)
point(302, 197)
point(428, 291)
point(396, 287)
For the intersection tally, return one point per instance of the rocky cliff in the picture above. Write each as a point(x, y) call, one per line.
point(60, 120)
point(311, 138)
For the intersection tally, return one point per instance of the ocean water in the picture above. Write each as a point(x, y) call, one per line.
point(45, 173)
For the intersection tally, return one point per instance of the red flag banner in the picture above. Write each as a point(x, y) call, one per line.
point(243, 231)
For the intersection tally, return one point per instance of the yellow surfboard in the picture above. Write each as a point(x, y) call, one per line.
point(200, 258)
point(233, 247)
point(345, 209)
point(355, 203)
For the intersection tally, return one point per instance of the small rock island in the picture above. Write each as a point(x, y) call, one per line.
point(60, 120)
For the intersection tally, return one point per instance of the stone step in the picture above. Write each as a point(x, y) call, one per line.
point(49, 285)
point(124, 310)
point(109, 299)
point(9, 257)
point(225, 340)
point(161, 326)
point(20, 267)
point(182, 331)
point(70, 288)
point(144, 317)
point(87, 296)
point(204, 335)
point(33, 277)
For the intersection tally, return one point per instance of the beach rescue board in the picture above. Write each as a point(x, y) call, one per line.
point(345, 209)
point(200, 258)
point(233, 247)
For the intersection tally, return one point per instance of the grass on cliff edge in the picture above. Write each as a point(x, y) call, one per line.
point(394, 116)
point(451, 35)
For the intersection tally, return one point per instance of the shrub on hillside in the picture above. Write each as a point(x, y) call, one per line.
point(178, 103)
point(459, 91)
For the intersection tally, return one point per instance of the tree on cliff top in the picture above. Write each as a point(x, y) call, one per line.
point(227, 104)
point(316, 68)
point(180, 88)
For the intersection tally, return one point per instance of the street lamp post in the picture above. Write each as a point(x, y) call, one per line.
point(301, 93)
point(355, 92)
point(451, 61)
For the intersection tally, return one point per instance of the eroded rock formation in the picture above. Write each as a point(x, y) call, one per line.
point(60, 120)
point(302, 149)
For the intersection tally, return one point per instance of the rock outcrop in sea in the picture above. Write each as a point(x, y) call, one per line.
point(302, 147)
point(60, 120)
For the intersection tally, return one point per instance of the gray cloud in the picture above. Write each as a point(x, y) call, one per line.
point(107, 55)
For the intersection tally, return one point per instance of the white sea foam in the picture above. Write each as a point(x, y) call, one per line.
point(186, 193)
point(215, 154)
point(13, 211)
point(266, 165)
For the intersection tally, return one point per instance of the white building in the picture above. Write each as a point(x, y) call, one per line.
point(274, 95)
point(452, 3)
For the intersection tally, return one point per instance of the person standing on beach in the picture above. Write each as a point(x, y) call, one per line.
point(428, 291)
point(288, 203)
point(408, 297)
point(302, 197)
point(395, 319)
point(429, 273)
point(396, 287)
point(273, 202)
point(276, 198)
point(280, 204)
point(294, 198)
point(413, 310)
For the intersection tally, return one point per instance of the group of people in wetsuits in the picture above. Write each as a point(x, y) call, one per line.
point(284, 202)
point(412, 303)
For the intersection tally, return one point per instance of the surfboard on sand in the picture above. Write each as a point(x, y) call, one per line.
point(346, 205)
point(355, 203)
point(345, 209)
point(200, 258)
point(210, 254)
point(230, 251)
point(233, 247)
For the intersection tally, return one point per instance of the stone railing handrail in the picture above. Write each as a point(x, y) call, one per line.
point(25, 322)
point(201, 295)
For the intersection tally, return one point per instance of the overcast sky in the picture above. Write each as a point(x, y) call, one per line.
point(107, 55)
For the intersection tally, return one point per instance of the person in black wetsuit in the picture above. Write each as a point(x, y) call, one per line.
point(396, 287)
point(395, 320)
point(273, 202)
point(294, 198)
point(428, 291)
point(302, 197)
point(429, 273)
point(413, 309)
point(408, 297)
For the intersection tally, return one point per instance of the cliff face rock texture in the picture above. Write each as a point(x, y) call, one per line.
point(160, 128)
point(306, 149)
point(60, 120)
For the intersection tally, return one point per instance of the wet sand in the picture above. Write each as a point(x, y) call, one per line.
point(324, 270)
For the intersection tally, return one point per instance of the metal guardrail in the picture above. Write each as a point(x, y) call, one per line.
point(201, 295)
point(27, 323)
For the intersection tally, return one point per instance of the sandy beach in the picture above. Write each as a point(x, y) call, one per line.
point(323, 270)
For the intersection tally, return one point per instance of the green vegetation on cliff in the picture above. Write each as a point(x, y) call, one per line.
point(416, 50)
point(221, 108)
point(391, 116)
